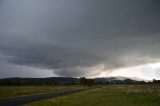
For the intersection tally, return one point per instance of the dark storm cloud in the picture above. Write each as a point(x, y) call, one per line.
point(70, 36)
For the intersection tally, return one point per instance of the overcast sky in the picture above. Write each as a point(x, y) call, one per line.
point(91, 38)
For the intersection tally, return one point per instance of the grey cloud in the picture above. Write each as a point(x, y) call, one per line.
point(12, 70)
point(72, 36)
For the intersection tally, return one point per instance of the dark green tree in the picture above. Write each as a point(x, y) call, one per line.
point(83, 81)
point(90, 82)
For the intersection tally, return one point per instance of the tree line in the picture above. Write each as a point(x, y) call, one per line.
point(47, 81)
point(67, 81)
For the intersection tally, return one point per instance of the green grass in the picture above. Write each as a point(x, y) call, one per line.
point(14, 91)
point(112, 95)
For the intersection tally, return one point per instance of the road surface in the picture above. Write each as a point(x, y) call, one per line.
point(27, 99)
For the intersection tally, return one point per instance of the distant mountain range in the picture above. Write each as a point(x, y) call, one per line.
point(65, 80)
point(39, 81)
point(119, 78)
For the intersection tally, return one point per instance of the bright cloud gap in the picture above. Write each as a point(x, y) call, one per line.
point(147, 71)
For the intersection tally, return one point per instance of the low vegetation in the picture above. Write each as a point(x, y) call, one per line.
point(109, 95)
point(13, 91)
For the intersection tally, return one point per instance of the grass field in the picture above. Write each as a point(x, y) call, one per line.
point(13, 91)
point(111, 95)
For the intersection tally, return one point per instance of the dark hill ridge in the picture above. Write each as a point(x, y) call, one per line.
point(117, 78)
point(62, 80)
point(39, 81)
